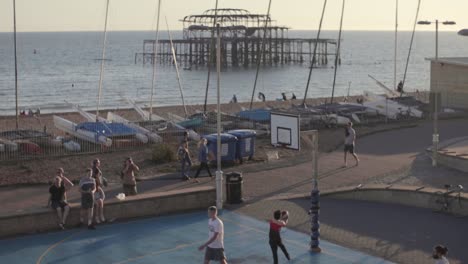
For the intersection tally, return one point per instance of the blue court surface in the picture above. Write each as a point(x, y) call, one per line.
point(169, 239)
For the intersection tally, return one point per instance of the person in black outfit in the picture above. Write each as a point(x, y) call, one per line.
point(58, 200)
point(280, 219)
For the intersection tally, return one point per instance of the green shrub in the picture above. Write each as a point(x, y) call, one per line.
point(163, 153)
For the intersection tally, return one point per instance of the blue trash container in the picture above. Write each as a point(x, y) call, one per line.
point(228, 146)
point(245, 144)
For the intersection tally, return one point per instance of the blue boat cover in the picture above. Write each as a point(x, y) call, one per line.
point(107, 129)
point(255, 114)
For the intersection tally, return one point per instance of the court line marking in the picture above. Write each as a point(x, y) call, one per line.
point(39, 260)
point(297, 243)
point(182, 246)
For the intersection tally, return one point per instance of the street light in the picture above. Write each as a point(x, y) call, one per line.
point(463, 32)
point(435, 135)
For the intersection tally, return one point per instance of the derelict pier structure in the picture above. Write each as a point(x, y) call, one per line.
point(242, 34)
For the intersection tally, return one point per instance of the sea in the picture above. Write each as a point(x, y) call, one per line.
point(66, 67)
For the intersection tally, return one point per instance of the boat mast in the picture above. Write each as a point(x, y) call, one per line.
point(315, 52)
point(177, 69)
point(155, 55)
point(337, 52)
point(260, 53)
point(219, 172)
point(411, 43)
point(101, 73)
point(210, 56)
point(16, 64)
point(396, 48)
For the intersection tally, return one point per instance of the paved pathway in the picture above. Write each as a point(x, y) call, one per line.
point(395, 156)
point(395, 232)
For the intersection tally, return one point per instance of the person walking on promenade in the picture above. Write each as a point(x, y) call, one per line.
point(350, 139)
point(183, 156)
point(215, 244)
point(280, 219)
point(203, 157)
point(128, 177)
point(440, 254)
point(87, 189)
point(58, 196)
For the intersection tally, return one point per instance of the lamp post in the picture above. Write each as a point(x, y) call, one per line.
point(435, 134)
point(463, 32)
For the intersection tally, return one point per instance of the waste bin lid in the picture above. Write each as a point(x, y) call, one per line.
point(224, 138)
point(243, 133)
point(234, 177)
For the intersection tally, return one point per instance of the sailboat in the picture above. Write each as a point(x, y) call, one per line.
point(395, 104)
point(97, 129)
point(26, 141)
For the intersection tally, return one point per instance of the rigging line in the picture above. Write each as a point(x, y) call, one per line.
point(315, 52)
point(261, 52)
point(16, 64)
point(177, 68)
point(337, 52)
point(396, 48)
point(155, 55)
point(210, 56)
point(411, 42)
point(101, 73)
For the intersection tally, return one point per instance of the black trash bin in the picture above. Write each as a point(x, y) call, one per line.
point(234, 187)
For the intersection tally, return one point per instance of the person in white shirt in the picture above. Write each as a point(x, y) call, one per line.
point(215, 244)
point(440, 254)
point(350, 138)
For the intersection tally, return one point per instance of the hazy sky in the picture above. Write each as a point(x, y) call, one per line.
point(86, 15)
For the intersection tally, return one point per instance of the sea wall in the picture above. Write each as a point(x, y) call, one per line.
point(143, 205)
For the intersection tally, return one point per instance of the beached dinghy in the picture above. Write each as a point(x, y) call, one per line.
point(142, 137)
point(160, 125)
point(393, 108)
point(71, 128)
point(8, 145)
point(152, 137)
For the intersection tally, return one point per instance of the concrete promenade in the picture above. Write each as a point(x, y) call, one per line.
point(396, 156)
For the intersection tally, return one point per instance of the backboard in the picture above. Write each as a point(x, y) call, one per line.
point(285, 130)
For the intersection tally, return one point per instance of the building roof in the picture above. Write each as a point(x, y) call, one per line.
point(459, 61)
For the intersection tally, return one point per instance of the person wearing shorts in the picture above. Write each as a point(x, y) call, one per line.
point(87, 189)
point(128, 177)
point(215, 244)
point(58, 200)
point(350, 138)
point(99, 197)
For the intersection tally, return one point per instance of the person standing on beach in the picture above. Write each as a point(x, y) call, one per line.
point(350, 139)
point(203, 157)
point(128, 177)
point(280, 219)
point(440, 254)
point(58, 197)
point(87, 189)
point(183, 155)
point(215, 244)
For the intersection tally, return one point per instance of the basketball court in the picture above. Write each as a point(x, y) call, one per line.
point(169, 239)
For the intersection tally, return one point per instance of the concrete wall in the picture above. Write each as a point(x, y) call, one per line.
point(404, 195)
point(151, 204)
point(452, 82)
point(454, 162)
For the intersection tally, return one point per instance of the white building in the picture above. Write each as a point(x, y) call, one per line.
point(449, 77)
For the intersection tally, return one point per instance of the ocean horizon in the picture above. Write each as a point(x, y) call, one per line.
point(66, 67)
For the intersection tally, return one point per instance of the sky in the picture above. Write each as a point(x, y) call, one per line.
point(88, 15)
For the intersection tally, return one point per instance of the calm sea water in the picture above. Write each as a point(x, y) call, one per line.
point(66, 58)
